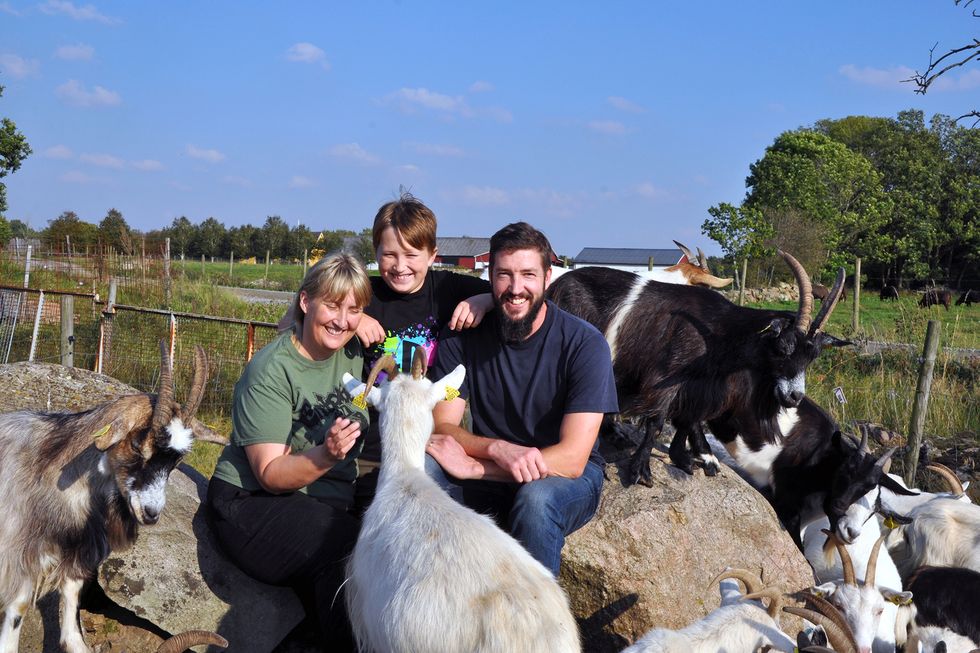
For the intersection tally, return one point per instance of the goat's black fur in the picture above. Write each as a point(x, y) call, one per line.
point(968, 297)
point(687, 354)
point(947, 597)
point(936, 297)
point(888, 292)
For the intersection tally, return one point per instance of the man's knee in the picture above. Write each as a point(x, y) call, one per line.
point(538, 500)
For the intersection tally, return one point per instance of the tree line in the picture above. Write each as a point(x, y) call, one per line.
point(903, 196)
point(209, 238)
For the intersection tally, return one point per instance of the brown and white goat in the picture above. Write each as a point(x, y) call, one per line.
point(75, 486)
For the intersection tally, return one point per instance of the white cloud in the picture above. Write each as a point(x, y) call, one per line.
point(308, 53)
point(552, 201)
point(409, 168)
point(496, 113)
point(481, 86)
point(299, 181)
point(77, 95)
point(235, 180)
point(7, 9)
point(102, 160)
point(649, 191)
point(18, 67)
point(950, 82)
point(623, 104)
point(147, 165)
point(609, 127)
point(211, 156)
point(483, 195)
point(177, 185)
point(427, 99)
point(436, 149)
point(86, 12)
point(76, 177)
point(353, 152)
point(76, 52)
point(58, 152)
point(878, 77)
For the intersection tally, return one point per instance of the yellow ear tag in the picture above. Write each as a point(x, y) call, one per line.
point(101, 432)
point(451, 393)
point(360, 400)
point(890, 522)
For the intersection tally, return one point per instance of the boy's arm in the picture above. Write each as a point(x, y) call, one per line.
point(470, 312)
point(369, 331)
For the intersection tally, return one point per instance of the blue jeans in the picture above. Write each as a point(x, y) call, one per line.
point(538, 514)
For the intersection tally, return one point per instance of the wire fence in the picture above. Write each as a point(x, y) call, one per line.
point(122, 341)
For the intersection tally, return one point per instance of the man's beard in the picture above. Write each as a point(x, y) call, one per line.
point(514, 331)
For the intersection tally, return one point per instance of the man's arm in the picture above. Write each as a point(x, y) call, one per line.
point(495, 459)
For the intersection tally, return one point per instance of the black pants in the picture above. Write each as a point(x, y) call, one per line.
point(290, 540)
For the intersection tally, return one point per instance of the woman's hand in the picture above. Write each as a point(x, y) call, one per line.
point(369, 331)
point(341, 437)
point(451, 457)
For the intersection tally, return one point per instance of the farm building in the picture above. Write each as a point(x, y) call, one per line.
point(631, 259)
point(466, 252)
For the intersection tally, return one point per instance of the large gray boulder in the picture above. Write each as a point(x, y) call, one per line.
point(174, 576)
point(647, 557)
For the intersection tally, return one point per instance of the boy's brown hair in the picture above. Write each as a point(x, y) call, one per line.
point(412, 220)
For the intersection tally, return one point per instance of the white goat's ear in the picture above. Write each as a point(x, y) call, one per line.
point(898, 598)
point(824, 590)
point(448, 386)
point(355, 388)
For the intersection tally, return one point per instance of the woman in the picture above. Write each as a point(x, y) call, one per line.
point(281, 496)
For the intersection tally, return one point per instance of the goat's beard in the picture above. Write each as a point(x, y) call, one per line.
point(515, 331)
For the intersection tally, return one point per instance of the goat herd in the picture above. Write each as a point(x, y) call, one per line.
point(895, 568)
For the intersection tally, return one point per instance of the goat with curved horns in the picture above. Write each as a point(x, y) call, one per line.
point(687, 354)
point(427, 573)
point(77, 485)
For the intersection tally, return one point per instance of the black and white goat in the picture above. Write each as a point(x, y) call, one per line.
point(77, 485)
point(689, 355)
point(944, 606)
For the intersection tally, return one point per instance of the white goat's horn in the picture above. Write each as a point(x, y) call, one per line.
point(163, 410)
point(183, 641)
point(753, 583)
point(869, 576)
point(824, 607)
point(419, 363)
point(386, 363)
point(200, 379)
point(837, 637)
point(827, 305)
point(806, 291)
point(952, 480)
point(686, 252)
point(775, 596)
point(845, 558)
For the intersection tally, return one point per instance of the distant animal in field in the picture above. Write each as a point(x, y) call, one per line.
point(822, 292)
point(968, 297)
point(888, 292)
point(935, 297)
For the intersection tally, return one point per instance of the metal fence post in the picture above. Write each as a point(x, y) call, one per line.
point(166, 271)
point(173, 338)
point(741, 288)
point(249, 341)
point(923, 387)
point(37, 324)
point(105, 330)
point(27, 266)
point(68, 331)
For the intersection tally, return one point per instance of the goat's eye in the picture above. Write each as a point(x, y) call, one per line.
point(134, 445)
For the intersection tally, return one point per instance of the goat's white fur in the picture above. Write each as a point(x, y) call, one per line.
point(943, 533)
point(429, 574)
point(736, 625)
point(869, 611)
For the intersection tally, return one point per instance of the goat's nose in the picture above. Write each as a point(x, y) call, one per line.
point(151, 515)
point(849, 534)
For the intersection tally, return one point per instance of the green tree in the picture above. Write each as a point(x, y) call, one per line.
point(300, 239)
point(741, 232)
point(82, 234)
point(114, 232)
point(6, 232)
point(364, 245)
point(13, 150)
point(180, 232)
point(210, 238)
point(21, 229)
point(274, 236)
point(834, 188)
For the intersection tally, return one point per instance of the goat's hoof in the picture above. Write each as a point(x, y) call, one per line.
point(639, 473)
point(711, 468)
point(685, 466)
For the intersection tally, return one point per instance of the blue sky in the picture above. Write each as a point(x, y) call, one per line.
point(604, 124)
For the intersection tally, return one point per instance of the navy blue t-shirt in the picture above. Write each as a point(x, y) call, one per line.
point(520, 392)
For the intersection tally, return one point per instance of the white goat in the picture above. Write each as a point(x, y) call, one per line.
point(738, 624)
point(942, 533)
point(871, 609)
point(429, 574)
point(77, 485)
point(902, 505)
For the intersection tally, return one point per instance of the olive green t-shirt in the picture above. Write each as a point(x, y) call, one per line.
point(284, 397)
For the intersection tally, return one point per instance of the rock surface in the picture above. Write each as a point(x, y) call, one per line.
point(647, 557)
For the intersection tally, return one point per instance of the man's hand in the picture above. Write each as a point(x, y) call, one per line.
point(342, 436)
point(451, 457)
point(525, 464)
point(369, 331)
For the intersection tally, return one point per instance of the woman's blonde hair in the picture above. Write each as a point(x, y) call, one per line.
point(330, 280)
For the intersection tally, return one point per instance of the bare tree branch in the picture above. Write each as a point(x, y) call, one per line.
point(955, 58)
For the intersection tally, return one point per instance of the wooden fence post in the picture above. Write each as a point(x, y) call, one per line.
point(231, 264)
point(856, 298)
point(68, 331)
point(305, 261)
point(649, 263)
point(266, 265)
point(37, 325)
point(921, 404)
point(166, 272)
point(741, 288)
point(249, 342)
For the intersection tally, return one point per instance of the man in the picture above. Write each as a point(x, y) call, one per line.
point(538, 381)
